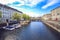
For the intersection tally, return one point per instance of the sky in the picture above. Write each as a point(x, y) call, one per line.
point(33, 8)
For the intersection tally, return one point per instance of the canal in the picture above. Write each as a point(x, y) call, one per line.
point(33, 31)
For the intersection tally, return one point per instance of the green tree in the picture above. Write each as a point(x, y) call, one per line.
point(0, 14)
point(25, 17)
point(16, 16)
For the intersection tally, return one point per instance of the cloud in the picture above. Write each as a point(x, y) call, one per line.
point(50, 3)
point(7, 1)
point(32, 14)
point(29, 2)
point(33, 2)
point(22, 2)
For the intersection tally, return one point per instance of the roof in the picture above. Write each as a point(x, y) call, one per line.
point(56, 8)
point(10, 8)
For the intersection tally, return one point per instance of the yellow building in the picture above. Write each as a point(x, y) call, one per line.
point(56, 14)
point(46, 17)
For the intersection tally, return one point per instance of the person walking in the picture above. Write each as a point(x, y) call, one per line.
point(7, 22)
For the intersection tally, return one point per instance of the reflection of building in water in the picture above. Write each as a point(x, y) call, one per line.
point(7, 11)
point(56, 14)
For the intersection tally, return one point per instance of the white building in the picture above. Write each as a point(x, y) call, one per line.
point(7, 12)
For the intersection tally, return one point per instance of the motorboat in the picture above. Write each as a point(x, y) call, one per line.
point(11, 27)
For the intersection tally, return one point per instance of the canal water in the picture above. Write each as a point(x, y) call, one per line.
point(33, 31)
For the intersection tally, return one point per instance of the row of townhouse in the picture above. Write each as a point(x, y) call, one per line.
point(54, 15)
point(7, 12)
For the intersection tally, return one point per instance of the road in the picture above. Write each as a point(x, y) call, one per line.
point(33, 31)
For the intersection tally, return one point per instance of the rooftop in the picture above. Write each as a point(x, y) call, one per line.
point(56, 8)
point(10, 8)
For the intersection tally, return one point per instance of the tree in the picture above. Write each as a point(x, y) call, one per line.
point(25, 17)
point(16, 16)
point(0, 14)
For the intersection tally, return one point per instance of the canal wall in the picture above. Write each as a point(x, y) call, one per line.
point(53, 27)
point(53, 30)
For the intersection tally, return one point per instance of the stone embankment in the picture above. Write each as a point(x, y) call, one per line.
point(24, 22)
point(54, 25)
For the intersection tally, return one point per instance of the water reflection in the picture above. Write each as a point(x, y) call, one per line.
point(34, 31)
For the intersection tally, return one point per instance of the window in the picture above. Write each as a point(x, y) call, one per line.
point(0, 7)
point(58, 13)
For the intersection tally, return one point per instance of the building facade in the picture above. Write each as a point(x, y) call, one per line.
point(56, 14)
point(7, 12)
point(46, 17)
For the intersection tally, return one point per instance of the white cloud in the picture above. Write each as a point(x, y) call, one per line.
point(32, 14)
point(50, 3)
point(6, 1)
point(23, 2)
point(33, 2)
point(29, 2)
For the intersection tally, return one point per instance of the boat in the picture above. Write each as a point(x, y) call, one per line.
point(11, 27)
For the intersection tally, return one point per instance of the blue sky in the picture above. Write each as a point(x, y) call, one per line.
point(33, 8)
